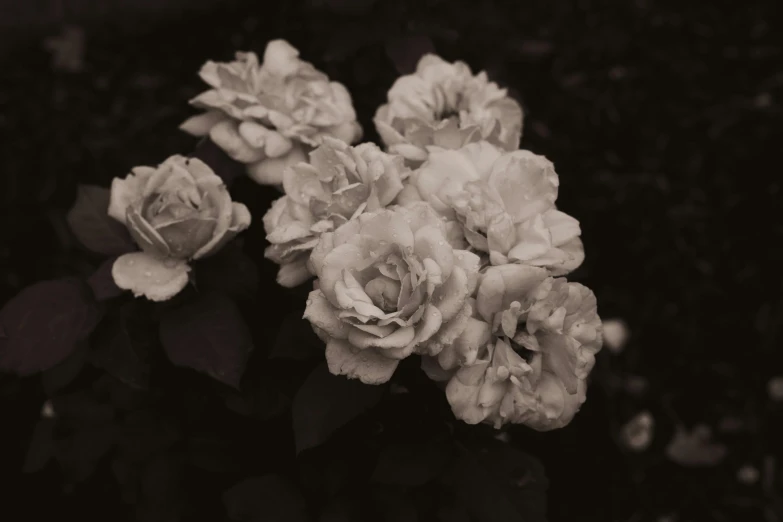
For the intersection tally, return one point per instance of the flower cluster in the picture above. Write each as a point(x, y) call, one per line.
point(447, 245)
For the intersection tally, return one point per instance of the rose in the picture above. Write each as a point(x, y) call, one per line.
point(526, 357)
point(389, 284)
point(504, 203)
point(179, 211)
point(270, 115)
point(338, 184)
point(445, 105)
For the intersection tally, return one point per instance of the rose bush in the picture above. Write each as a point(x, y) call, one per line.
point(338, 184)
point(389, 284)
point(525, 355)
point(179, 211)
point(504, 203)
point(270, 115)
point(445, 105)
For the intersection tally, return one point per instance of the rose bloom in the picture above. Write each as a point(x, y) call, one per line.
point(525, 355)
point(445, 105)
point(504, 203)
point(340, 183)
point(389, 284)
point(179, 211)
point(270, 115)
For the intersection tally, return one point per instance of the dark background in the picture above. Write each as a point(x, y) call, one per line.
point(663, 121)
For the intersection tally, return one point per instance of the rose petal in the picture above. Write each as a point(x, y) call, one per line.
point(270, 171)
point(294, 273)
point(125, 192)
point(200, 124)
point(526, 182)
point(149, 276)
point(464, 350)
point(501, 285)
point(369, 366)
point(226, 135)
point(450, 296)
point(330, 271)
point(470, 263)
point(320, 312)
point(430, 243)
point(400, 338)
point(226, 209)
point(388, 227)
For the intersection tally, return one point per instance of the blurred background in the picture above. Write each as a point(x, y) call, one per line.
point(663, 120)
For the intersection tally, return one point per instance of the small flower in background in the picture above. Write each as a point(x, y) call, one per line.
point(502, 204)
point(637, 433)
point(444, 105)
point(67, 49)
point(47, 411)
point(695, 449)
point(179, 211)
point(748, 475)
point(615, 335)
point(269, 115)
point(775, 389)
point(340, 183)
point(634, 384)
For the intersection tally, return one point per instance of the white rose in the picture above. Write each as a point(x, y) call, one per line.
point(270, 115)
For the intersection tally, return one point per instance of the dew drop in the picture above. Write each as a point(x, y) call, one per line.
point(131, 262)
point(147, 273)
point(441, 243)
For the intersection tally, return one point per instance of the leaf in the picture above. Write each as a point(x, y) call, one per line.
point(296, 339)
point(230, 271)
point(326, 402)
point(411, 464)
point(270, 498)
point(44, 323)
point(65, 372)
point(217, 159)
point(501, 483)
point(93, 227)
point(121, 350)
point(102, 283)
point(209, 336)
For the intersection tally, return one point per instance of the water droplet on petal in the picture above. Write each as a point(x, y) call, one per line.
point(441, 243)
point(147, 273)
point(131, 262)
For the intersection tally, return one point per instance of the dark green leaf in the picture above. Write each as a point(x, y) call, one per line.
point(93, 227)
point(208, 335)
point(61, 375)
point(326, 402)
point(120, 348)
point(43, 324)
point(102, 282)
